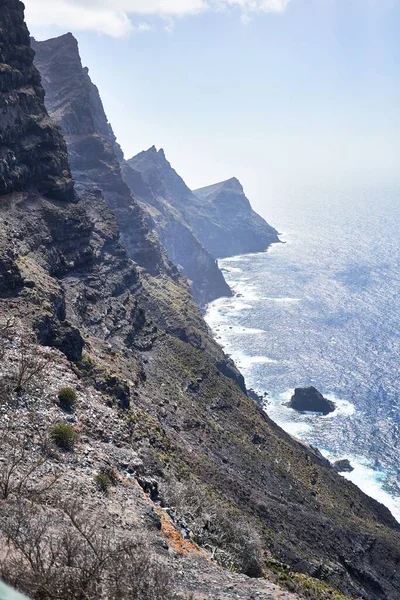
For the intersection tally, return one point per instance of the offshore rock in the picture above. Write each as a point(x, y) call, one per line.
point(343, 466)
point(311, 400)
point(306, 515)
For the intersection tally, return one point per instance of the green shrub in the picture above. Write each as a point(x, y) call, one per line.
point(64, 436)
point(67, 397)
point(106, 478)
point(103, 482)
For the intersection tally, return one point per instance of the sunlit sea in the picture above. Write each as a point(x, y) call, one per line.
point(323, 309)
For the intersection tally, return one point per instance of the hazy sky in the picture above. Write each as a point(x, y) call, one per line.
point(279, 93)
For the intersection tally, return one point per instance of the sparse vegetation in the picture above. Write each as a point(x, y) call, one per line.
point(103, 482)
point(16, 471)
point(67, 398)
point(231, 540)
point(62, 554)
point(64, 436)
point(30, 365)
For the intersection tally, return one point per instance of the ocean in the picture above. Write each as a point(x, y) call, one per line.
point(323, 309)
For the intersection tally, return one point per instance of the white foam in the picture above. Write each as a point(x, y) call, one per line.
point(283, 300)
point(368, 479)
point(247, 330)
point(245, 361)
point(298, 430)
point(343, 407)
point(238, 305)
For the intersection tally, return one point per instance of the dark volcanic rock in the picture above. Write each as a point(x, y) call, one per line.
point(311, 400)
point(343, 466)
point(60, 335)
point(219, 215)
point(33, 153)
point(74, 102)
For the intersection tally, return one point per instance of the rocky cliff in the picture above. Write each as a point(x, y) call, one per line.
point(219, 215)
point(75, 104)
point(33, 153)
point(159, 444)
point(238, 229)
point(177, 236)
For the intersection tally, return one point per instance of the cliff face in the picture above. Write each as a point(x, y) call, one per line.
point(33, 153)
point(74, 103)
point(219, 215)
point(155, 405)
point(182, 246)
point(238, 229)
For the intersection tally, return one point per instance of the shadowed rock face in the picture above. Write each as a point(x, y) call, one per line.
point(74, 102)
point(182, 245)
point(33, 153)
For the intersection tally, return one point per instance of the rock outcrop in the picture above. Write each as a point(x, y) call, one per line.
point(220, 216)
point(157, 402)
point(311, 400)
point(33, 152)
point(236, 228)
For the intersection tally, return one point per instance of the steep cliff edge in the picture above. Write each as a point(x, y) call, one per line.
point(33, 153)
point(219, 215)
point(239, 229)
point(156, 415)
point(75, 104)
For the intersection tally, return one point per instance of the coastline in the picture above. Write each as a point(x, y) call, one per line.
point(367, 478)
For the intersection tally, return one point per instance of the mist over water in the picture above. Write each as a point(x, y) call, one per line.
point(323, 309)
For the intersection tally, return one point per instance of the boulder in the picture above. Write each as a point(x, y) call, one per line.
point(343, 466)
point(310, 400)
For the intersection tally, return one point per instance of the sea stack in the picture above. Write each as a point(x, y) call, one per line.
point(310, 400)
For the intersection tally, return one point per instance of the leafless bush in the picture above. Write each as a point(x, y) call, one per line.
point(7, 327)
point(63, 553)
point(231, 539)
point(21, 461)
point(30, 365)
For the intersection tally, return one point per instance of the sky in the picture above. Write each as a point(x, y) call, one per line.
point(278, 93)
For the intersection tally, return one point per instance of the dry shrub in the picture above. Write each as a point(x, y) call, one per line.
point(31, 365)
point(232, 541)
point(64, 553)
point(22, 461)
point(27, 365)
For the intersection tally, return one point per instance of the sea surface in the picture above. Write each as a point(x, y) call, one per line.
point(323, 309)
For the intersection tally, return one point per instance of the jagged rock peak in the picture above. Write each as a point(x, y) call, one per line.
point(33, 154)
point(154, 153)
